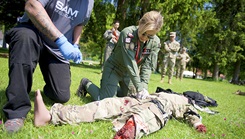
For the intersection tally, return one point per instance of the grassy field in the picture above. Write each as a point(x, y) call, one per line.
point(229, 123)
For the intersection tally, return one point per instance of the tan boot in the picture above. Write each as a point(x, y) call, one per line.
point(169, 81)
point(161, 80)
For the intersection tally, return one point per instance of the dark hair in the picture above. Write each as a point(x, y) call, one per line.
point(116, 21)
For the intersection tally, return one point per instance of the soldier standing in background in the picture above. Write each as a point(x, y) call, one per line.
point(171, 48)
point(111, 37)
point(182, 59)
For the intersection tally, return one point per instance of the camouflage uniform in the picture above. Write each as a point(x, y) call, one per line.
point(130, 66)
point(182, 59)
point(150, 115)
point(110, 44)
point(169, 52)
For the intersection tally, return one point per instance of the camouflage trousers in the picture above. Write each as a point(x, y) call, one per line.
point(180, 70)
point(168, 67)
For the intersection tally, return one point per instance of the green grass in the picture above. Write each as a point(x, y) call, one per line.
point(229, 123)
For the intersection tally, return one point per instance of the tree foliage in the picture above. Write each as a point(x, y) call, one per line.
point(212, 30)
point(229, 51)
point(10, 11)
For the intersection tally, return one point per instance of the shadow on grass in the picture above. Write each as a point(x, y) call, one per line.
point(4, 53)
point(85, 65)
point(3, 101)
point(4, 50)
point(86, 99)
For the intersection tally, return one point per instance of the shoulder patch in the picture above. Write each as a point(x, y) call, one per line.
point(130, 35)
point(127, 40)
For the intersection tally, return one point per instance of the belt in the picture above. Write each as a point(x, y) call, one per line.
point(159, 105)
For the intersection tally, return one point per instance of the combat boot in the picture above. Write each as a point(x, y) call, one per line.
point(161, 81)
point(169, 81)
point(81, 91)
point(180, 78)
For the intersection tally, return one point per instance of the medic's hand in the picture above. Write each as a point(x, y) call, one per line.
point(142, 94)
point(201, 128)
point(69, 51)
point(79, 58)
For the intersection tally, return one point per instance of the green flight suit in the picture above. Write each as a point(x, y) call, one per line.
point(129, 66)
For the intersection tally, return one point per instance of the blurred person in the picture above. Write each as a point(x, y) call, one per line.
point(49, 35)
point(183, 58)
point(111, 36)
point(171, 47)
point(131, 62)
point(239, 92)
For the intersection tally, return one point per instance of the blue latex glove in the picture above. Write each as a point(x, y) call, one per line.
point(79, 58)
point(68, 50)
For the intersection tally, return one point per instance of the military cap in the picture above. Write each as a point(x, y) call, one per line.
point(172, 34)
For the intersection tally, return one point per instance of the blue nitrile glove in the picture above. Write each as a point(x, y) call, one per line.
point(80, 57)
point(67, 49)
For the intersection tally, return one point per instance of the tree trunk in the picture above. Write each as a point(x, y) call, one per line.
point(194, 70)
point(216, 72)
point(101, 54)
point(121, 12)
point(145, 4)
point(205, 74)
point(4, 32)
point(235, 78)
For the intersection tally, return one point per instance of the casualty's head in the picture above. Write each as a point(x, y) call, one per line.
point(149, 25)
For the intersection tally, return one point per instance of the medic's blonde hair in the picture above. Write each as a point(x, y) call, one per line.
point(152, 20)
